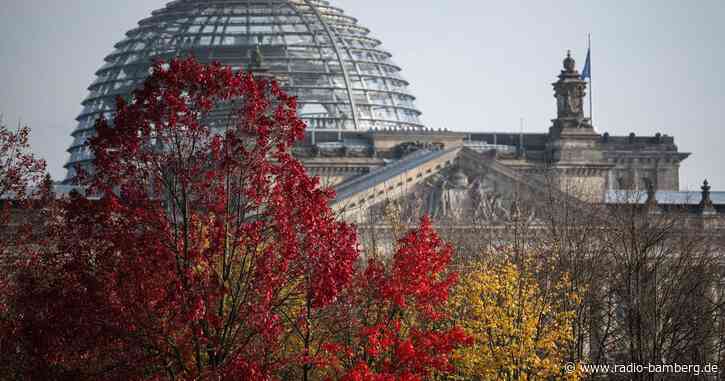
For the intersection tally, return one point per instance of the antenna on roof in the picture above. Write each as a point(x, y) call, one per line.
point(521, 137)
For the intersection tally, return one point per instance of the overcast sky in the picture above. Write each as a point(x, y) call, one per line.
point(474, 65)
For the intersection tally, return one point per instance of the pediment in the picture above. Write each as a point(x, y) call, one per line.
point(470, 188)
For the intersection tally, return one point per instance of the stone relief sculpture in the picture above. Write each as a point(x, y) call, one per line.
point(488, 203)
point(407, 148)
point(452, 196)
point(574, 100)
point(570, 101)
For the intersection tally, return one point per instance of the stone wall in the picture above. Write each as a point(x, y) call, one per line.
point(638, 158)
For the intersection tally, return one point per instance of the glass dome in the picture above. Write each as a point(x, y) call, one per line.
point(340, 74)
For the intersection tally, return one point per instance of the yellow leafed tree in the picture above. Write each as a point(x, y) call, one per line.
point(519, 329)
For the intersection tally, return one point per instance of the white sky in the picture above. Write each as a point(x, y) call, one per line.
point(474, 65)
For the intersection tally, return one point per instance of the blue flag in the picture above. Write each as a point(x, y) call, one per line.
point(587, 71)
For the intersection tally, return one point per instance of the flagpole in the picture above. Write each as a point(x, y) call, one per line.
point(591, 92)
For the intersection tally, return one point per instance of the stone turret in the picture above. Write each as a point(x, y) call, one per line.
point(573, 147)
point(571, 136)
point(569, 92)
point(706, 206)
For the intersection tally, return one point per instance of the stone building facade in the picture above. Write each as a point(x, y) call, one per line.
point(442, 169)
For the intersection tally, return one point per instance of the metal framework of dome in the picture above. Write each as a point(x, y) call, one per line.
point(340, 74)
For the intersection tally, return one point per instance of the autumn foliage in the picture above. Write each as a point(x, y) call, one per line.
point(401, 309)
point(519, 329)
point(19, 168)
point(200, 249)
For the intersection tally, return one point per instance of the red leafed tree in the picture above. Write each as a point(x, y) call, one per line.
point(202, 250)
point(20, 170)
point(204, 237)
point(398, 329)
